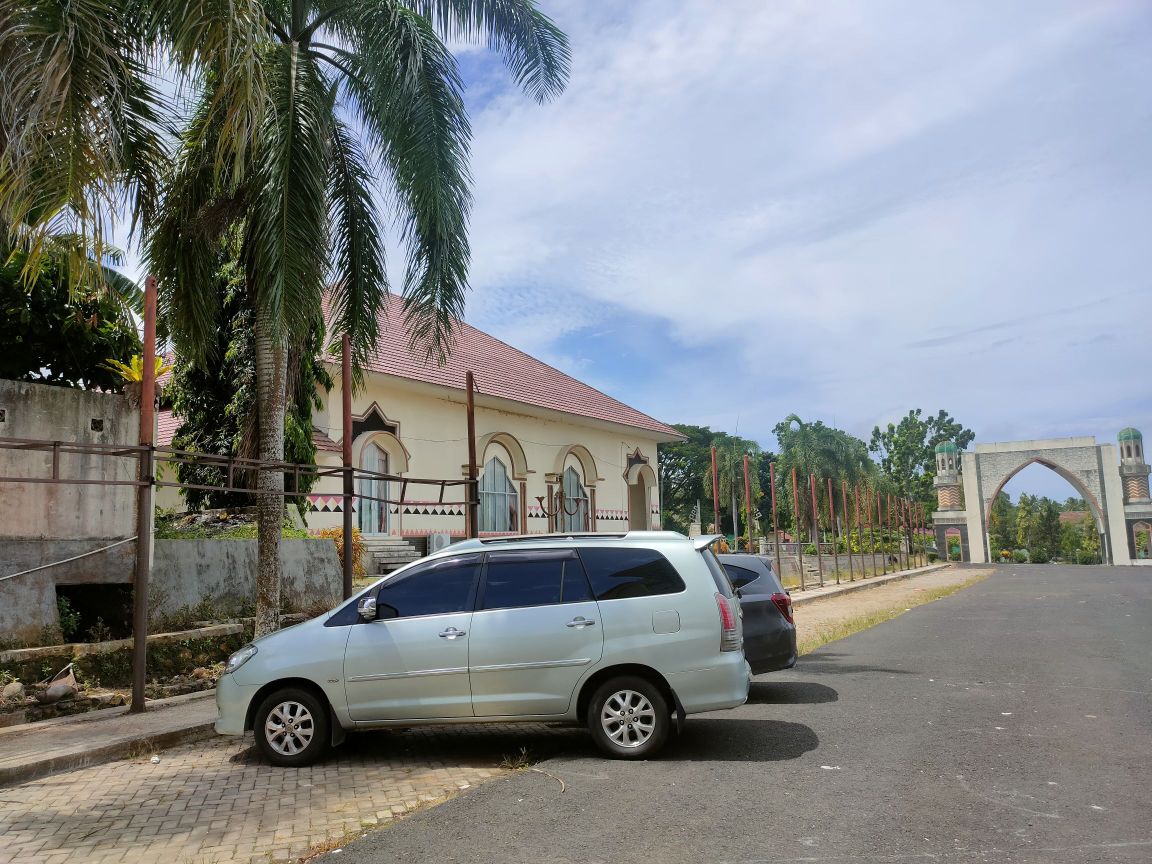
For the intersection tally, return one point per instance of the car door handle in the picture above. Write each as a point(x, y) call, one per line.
point(452, 633)
point(580, 621)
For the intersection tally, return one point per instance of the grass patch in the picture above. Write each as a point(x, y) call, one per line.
point(820, 635)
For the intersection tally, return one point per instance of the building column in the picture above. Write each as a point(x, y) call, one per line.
point(592, 509)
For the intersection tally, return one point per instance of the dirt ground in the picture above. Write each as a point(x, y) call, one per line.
point(830, 612)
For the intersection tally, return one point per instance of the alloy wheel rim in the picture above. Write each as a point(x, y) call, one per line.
point(289, 728)
point(628, 718)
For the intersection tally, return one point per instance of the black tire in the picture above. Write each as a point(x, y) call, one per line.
point(308, 731)
point(652, 718)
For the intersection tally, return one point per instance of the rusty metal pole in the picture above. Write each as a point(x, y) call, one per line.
point(144, 502)
point(816, 527)
point(871, 530)
point(473, 493)
point(747, 503)
point(346, 457)
point(847, 525)
point(832, 525)
point(775, 528)
point(715, 494)
point(796, 529)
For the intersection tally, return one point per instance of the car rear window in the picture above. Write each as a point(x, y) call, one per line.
point(740, 576)
point(628, 572)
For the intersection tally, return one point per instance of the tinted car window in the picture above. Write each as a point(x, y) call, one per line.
point(436, 588)
point(618, 573)
point(740, 576)
point(538, 578)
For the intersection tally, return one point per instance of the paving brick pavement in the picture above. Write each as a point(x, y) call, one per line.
point(215, 801)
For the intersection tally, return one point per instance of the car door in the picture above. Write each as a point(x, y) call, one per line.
point(412, 661)
point(535, 632)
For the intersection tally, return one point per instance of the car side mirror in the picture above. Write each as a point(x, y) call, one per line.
point(366, 609)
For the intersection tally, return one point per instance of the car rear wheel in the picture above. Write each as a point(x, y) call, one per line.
point(292, 727)
point(629, 718)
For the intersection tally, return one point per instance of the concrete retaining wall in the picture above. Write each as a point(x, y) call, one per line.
point(184, 572)
point(63, 511)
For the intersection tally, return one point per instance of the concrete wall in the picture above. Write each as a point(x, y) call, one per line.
point(184, 572)
point(61, 511)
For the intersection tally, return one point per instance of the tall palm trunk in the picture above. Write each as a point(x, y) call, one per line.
point(271, 400)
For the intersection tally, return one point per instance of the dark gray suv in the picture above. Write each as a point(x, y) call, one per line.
point(769, 628)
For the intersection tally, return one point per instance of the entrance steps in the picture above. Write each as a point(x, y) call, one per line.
point(389, 553)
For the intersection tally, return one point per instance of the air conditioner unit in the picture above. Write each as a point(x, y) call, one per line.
point(436, 542)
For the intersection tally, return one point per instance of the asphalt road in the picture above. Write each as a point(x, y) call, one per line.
point(1011, 722)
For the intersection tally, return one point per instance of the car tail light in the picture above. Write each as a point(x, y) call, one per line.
point(729, 626)
point(784, 604)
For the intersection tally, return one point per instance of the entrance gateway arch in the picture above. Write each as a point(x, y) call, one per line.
point(1112, 478)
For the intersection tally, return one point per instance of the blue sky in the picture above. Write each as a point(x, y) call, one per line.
point(739, 210)
point(745, 209)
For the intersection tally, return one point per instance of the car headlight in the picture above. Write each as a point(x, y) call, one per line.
point(240, 658)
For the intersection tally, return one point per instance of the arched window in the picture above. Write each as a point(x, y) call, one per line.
point(499, 501)
point(574, 516)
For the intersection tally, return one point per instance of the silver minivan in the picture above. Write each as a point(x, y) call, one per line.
point(624, 633)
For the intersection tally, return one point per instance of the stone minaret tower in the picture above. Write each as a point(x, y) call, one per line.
point(1133, 468)
point(947, 482)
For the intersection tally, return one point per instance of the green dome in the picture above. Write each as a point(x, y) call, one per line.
point(947, 447)
point(1128, 434)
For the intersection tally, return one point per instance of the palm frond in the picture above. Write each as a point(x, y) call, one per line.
point(286, 244)
point(404, 85)
point(535, 50)
point(359, 281)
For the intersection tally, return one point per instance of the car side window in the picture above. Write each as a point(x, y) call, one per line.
point(514, 580)
point(740, 576)
point(437, 587)
point(627, 572)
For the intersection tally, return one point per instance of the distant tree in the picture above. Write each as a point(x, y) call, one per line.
point(60, 326)
point(1073, 505)
point(907, 451)
point(1002, 524)
point(1026, 509)
point(1045, 534)
point(823, 451)
point(682, 468)
point(730, 452)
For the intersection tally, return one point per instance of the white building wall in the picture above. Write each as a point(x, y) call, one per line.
point(432, 427)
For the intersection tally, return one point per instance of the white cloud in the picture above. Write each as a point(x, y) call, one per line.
point(797, 193)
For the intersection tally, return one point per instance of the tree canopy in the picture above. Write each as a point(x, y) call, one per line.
point(907, 451)
point(60, 329)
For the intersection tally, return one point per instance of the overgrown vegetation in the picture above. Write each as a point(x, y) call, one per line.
point(1032, 530)
point(228, 526)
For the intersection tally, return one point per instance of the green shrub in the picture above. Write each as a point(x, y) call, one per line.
point(1040, 556)
point(954, 556)
point(1020, 556)
point(933, 557)
point(810, 549)
point(69, 618)
point(1083, 557)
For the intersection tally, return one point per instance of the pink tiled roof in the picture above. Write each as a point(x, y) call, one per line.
point(166, 425)
point(501, 371)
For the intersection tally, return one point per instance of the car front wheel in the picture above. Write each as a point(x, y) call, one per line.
point(629, 718)
point(292, 727)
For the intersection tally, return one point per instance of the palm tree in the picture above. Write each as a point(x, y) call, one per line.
point(82, 121)
point(356, 90)
point(816, 449)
